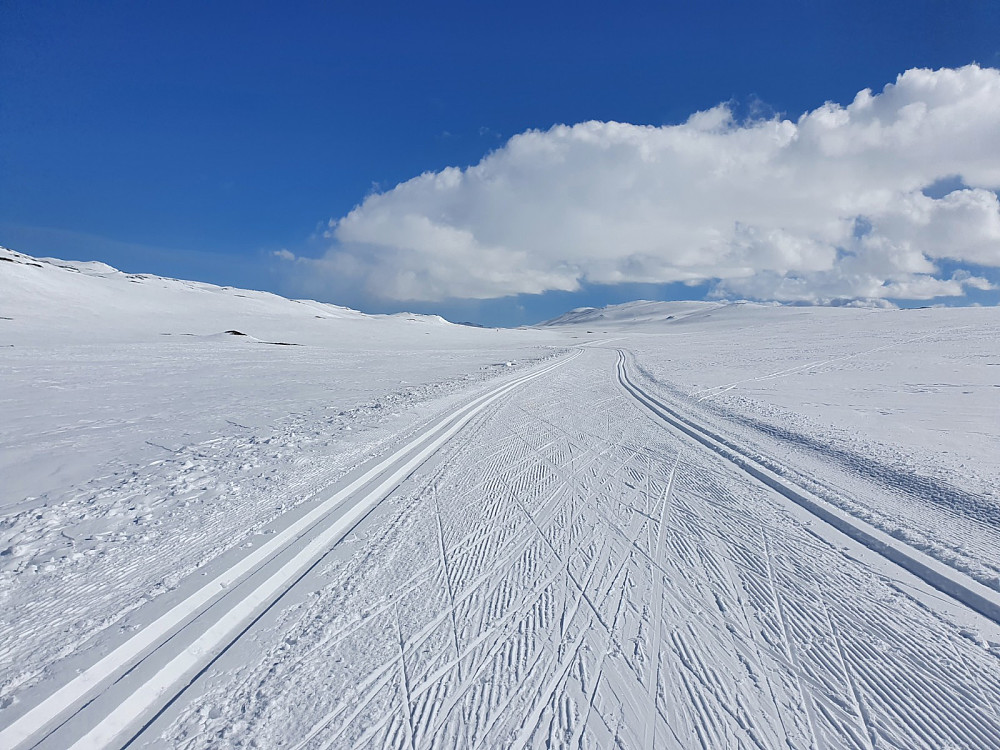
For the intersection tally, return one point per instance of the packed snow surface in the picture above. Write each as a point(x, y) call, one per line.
point(235, 520)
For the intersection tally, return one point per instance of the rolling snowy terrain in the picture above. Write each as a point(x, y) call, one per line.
point(657, 525)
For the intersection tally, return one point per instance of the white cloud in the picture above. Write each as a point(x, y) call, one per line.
point(828, 206)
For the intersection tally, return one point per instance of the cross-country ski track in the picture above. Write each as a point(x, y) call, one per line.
point(947, 580)
point(565, 561)
point(311, 536)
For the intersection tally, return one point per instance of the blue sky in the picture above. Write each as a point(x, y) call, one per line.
point(196, 139)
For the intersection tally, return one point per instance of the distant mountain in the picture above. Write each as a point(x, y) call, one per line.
point(640, 311)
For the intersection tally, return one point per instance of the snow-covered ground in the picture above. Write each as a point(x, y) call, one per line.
point(657, 525)
point(894, 414)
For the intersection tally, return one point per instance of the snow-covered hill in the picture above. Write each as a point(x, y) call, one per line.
point(99, 367)
point(632, 313)
point(45, 299)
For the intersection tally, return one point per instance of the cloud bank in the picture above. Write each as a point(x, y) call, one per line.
point(841, 203)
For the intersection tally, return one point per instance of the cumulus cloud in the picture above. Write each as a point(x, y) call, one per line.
point(831, 205)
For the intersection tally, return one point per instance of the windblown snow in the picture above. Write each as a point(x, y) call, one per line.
point(233, 520)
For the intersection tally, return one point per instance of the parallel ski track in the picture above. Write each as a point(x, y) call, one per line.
point(948, 581)
point(562, 578)
point(231, 612)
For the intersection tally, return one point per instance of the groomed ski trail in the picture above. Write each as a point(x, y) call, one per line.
point(233, 600)
point(572, 574)
point(945, 579)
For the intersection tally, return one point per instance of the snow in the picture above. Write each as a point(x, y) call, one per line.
point(895, 412)
point(640, 311)
point(131, 370)
point(652, 525)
